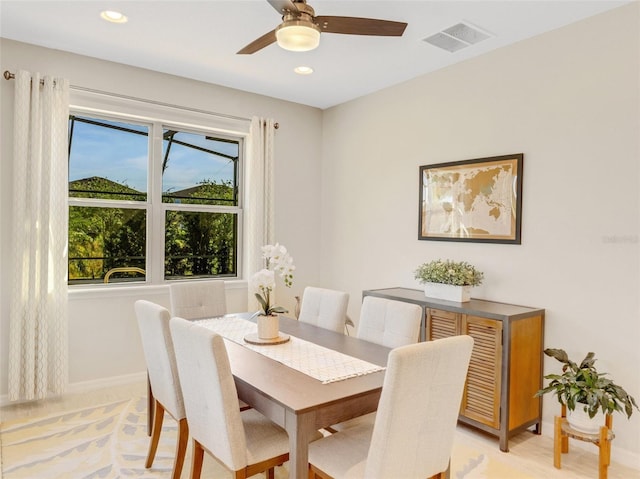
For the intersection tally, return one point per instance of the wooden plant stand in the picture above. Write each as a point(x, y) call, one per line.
point(563, 431)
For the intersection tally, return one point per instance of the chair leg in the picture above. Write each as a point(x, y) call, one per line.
point(315, 473)
point(150, 403)
point(156, 428)
point(196, 460)
point(444, 474)
point(181, 448)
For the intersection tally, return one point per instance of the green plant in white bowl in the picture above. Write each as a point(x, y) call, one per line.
point(458, 273)
point(449, 280)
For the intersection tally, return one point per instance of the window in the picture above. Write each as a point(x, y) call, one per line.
point(150, 201)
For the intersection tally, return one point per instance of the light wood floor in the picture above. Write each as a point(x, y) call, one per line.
point(528, 452)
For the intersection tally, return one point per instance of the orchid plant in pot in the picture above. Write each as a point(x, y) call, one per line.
point(263, 284)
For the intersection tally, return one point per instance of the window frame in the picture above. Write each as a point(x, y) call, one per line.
point(158, 117)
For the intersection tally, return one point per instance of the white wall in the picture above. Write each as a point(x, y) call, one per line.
point(569, 100)
point(103, 336)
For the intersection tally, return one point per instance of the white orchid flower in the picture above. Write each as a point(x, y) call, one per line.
point(278, 260)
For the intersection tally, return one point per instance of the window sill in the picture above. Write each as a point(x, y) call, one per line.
point(90, 292)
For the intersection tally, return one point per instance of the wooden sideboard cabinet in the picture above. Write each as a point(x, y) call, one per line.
point(506, 363)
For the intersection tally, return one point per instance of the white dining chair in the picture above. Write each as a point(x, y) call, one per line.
point(197, 299)
point(389, 323)
point(246, 442)
point(153, 323)
point(412, 436)
point(326, 308)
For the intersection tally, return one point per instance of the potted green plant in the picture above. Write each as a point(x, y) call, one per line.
point(585, 391)
point(448, 279)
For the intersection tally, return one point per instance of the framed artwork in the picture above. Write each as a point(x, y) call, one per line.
point(477, 200)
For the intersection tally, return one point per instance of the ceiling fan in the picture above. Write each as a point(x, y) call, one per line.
point(300, 28)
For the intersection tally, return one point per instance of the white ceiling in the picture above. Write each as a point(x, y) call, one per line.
point(199, 39)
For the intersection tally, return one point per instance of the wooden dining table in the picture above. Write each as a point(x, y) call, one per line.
point(299, 403)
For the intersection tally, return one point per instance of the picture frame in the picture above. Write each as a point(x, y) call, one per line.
point(477, 200)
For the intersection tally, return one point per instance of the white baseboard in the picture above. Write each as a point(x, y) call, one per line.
point(86, 386)
point(623, 457)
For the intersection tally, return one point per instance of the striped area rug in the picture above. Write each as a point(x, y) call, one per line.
point(106, 441)
point(110, 441)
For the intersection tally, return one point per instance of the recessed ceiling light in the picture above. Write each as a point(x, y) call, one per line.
point(113, 16)
point(302, 70)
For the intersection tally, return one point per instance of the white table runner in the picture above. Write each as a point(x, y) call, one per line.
point(321, 363)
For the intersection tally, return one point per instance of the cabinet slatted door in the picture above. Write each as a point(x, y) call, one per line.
point(481, 400)
point(442, 324)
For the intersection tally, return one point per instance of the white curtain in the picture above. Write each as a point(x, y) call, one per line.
point(38, 346)
point(259, 227)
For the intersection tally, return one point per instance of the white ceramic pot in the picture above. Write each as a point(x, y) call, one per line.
point(268, 326)
point(449, 292)
point(579, 420)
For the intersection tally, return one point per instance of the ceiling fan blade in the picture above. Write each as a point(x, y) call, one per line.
point(360, 26)
point(259, 43)
point(283, 6)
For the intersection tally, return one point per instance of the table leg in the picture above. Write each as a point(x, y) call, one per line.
point(300, 429)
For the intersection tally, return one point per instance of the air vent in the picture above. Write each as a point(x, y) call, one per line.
point(457, 37)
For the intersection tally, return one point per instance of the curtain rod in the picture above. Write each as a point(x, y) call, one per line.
point(10, 76)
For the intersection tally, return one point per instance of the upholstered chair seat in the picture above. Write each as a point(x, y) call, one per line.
point(413, 432)
point(326, 308)
point(197, 299)
point(343, 455)
point(389, 323)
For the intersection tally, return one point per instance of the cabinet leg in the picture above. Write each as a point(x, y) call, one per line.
point(504, 442)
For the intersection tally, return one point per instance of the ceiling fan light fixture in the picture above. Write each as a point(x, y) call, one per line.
point(298, 36)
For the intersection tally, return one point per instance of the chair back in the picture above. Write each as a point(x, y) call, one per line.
point(153, 323)
point(389, 323)
point(210, 394)
point(418, 410)
point(198, 299)
point(325, 308)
